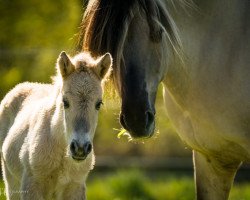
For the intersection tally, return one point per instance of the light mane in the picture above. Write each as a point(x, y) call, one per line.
point(81, 62)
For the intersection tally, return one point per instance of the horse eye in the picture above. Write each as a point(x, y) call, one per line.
point(65, 103)
point(98, 105)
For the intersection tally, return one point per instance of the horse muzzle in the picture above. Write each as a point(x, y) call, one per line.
point(79, 151)
point(139, 125)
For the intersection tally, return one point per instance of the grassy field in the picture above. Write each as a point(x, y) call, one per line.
point(135, 185)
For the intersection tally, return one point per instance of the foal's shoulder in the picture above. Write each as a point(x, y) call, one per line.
point(16, 96)
point(38, 90)
point(27, 88)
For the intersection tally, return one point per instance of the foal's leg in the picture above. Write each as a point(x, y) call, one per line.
point(74, 191)
point(213, 178)
point(12, 186)
point(32, 190)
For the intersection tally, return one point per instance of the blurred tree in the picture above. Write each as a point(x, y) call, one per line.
point(33, 32)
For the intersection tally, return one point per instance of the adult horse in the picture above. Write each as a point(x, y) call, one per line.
point(200, 51)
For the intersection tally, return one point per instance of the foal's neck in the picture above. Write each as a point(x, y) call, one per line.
point(57, 120)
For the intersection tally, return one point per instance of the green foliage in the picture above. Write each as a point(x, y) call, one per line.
point(240, 192)
point(136, 185)
point(123, 185)
point(2, 191)
point(174, 188)
point(121, 132)
point(130, 185)
point(32, 35)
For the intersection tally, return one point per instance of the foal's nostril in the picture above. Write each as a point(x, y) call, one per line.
point(149, 119)
point(73, 146)
point(87, 148)
point(80, 150)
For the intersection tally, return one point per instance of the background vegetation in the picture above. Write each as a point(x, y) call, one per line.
point(32, 35)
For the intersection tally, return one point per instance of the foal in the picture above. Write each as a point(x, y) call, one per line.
point(47, 130)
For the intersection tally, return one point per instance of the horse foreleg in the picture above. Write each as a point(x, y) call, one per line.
point(12, 186)
point(30, 188)
point(213, 178)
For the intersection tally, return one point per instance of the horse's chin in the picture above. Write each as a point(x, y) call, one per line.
point(79, 159)
point(146, 134)
point(137, 136)
point(138, 128)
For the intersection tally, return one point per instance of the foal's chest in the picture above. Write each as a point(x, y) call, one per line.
point(73, 171)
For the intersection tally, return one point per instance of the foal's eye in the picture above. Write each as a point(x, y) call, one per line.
point(65, 103)
point(98, 105)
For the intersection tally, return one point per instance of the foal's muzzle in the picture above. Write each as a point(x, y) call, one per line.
point(79, 151)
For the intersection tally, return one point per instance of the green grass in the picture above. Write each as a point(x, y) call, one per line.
point(135, 185)
point(2, 194)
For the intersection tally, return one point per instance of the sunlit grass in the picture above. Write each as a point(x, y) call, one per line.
point(240, 192)
point(2, 191)
point(136, 185)
point(121, 132)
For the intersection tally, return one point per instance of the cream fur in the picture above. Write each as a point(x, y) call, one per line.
point(36, 131)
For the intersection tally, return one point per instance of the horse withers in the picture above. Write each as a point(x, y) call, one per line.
point(47, 130)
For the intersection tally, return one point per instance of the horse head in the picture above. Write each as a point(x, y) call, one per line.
point(138, 34)
point(81, 98)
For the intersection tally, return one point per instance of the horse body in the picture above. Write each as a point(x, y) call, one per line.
point(41, 132)
point(212, 87)
point(203, 64)
point(210, 105)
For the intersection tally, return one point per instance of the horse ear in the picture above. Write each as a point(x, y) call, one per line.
point(104, 65)
point(64, 65)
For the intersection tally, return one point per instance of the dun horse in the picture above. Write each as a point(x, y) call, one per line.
point(200, 51)
point(47, 130)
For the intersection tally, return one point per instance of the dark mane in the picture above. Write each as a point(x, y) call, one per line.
point(103, 25)
point(105, 21)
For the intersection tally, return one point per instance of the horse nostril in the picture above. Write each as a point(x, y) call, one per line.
point(87, 148)
point(149, 119)
point(73, 147)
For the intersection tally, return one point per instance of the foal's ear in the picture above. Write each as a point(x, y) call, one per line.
point(64, 64)
point(104, 64)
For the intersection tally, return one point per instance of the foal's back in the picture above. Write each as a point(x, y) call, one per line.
point(18, 99)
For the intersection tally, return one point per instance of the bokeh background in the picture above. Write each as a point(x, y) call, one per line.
point(32, 34)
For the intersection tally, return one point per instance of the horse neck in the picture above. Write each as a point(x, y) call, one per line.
point(212, 32)
point(177, 80)
point(57, 119)
point(189, 25)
